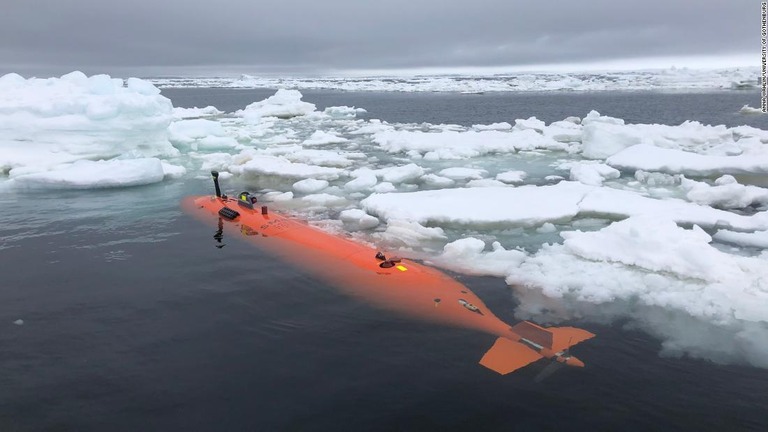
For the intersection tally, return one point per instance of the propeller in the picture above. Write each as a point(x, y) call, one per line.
point(548, 370)
point(554, 365)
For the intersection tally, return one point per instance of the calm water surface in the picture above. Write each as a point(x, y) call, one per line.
point(133, 320)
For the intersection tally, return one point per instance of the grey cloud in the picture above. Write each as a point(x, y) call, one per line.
point(304, 35)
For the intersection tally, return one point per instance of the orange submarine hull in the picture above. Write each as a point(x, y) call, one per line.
point(391, 283)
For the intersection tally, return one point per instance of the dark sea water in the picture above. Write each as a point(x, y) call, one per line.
point(134, 321)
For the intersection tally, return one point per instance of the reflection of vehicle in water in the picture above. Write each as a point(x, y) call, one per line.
point(388, 282)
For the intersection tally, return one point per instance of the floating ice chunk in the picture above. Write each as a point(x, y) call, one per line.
point(19, 322)
point(322, 138)
point(410, 233)
point(485, 183)
point(282, 167)
point(746, 109)
point(401, 174)
point(468, 255)
point(87, 174)
point(47, 122)
point(616, 203)
point(190, 113)
point(277, 196)
point(384, 187)
point(530, 123)
point(201, 134)
point(320, 157)
point(357, 219)
point(525, 205)
point(437, 181)
point(593, 173)
point(492, 126)
point(758, 239)
point(214, 161)
point(564, 131)
point(283, 104)
point(511, 176)
point(461, 173)
point(325, 200)
point(364, 180)
point(310, 186)
point(546, 227)
point(687, 253)
point(595, 117)
point(652, 158)
point(458, 145)
point(657, 179)
point(344, 112)
point(726, 193)
point(173, 171)
point(535, 205)
point(602, 139)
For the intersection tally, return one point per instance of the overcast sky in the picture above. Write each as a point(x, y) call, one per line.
point(322, 36)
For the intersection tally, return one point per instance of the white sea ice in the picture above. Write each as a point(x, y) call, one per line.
point(85, 174)
point(514, 177)
point(343, 112)
point(364, 179)
point(651, 158)
point(409, 233)
point(492, 126)
point(468, 255)
point(283, 104)
point(191, 113)
point(758, 239)
point(310, 186)
point(356, 219)
point(320, 137)
point(279, 166)
point(401, 174)
point(437, 181)
point(746, 109)
point(726, 193)
point(324, 200)
point(485, 183)
point(496, 206)
point(530, 123)
point(47, 122)
point(593, 173)
point(462, 173)
point(535, 205)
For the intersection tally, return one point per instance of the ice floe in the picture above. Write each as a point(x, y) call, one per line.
point(48, 122)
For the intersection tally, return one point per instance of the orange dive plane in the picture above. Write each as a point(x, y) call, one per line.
point(388, 282)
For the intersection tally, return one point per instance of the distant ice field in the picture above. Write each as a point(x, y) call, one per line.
point(654, 211)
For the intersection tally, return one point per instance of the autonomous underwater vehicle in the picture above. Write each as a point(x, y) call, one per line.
point(388, 282)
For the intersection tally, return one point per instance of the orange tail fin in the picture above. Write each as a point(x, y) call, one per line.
point(506, 356)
